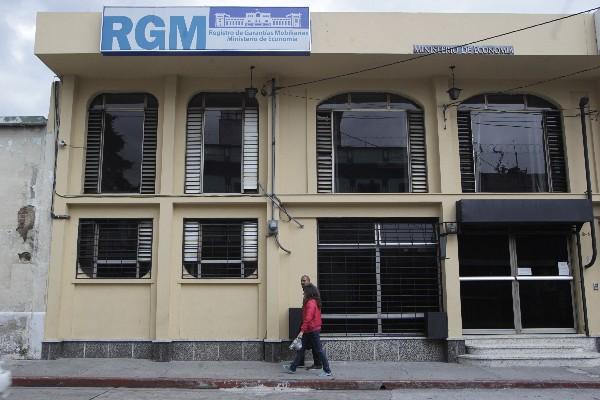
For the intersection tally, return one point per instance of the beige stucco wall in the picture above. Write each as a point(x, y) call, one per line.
point(352, 33)
point(167, 308)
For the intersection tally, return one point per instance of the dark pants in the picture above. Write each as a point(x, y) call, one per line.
point(311, 340)
point(315, 355)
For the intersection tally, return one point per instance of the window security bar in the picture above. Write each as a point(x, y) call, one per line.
point(375, 316)
point(220, 249)
point(377, 277)
point(114, 248)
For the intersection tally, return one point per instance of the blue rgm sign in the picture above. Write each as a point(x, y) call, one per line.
point(168, 30)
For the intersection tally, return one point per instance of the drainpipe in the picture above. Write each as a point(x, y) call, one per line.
point(582, 285)
point(273, 106)
point(582, 103)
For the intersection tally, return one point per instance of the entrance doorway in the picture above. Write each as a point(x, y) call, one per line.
point(516, 283)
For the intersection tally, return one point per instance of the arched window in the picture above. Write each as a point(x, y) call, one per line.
point(370, 143)
point(120, 155)
point(511, 143)
point(221, 144)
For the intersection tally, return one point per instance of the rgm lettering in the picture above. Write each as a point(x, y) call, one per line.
point(152, 32)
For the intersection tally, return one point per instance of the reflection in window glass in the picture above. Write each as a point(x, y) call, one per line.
point(222, 151)
point(509, 152)
point(122, 155)
point(371, 151)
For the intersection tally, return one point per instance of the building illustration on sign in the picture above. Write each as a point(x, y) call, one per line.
point(257, 19)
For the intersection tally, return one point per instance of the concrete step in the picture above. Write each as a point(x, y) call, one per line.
point(579, 359)
point(558, 341)
point(523, 350)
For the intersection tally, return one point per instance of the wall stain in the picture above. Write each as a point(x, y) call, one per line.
point(24, 257)
point(25, 220)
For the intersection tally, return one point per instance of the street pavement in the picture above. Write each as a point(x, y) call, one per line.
point(242, 374)
point(299, 394)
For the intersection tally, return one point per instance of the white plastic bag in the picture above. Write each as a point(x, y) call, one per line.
point(296, 344)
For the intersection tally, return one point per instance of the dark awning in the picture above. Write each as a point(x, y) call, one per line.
point(560, 211)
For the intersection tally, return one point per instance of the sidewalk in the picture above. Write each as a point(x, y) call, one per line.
point(347, 375)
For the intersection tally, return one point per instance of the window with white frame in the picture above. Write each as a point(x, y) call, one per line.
point(120, 150)
point(221, 144)
point(377, 277)
point(220, 248)
point(114, 248)
point(370, 143)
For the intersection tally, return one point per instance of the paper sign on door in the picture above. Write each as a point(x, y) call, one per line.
point(524, 271)
point(563, 268)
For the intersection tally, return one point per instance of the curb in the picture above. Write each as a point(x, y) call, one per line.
point(321, 384)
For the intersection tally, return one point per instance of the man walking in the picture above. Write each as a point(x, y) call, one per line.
point(305, 281)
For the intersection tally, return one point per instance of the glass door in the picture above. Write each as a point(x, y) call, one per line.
point(486, 283)
point(544, 282)
point(515, 284)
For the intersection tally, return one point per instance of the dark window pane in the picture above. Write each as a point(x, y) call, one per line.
point(347, 281)
point(546, 304)
point(222, 242)
point(225, 100)
point(404, 327)
point(399, 102)
point(109, 249)
point(509, 152)
point(368, 100)
point(506, 101)
point(484, 255)
point(98, 102)
point(539, 103)
point(487, 305)
point(346, 233)
point(407, 233)
point(221, 252)
point(197, 101)
point(541, 254)
point(122, 151)
point(125, 100)
point(349, 325)
point(371, 152)
point(220, 270)
point(334, 102)
point(475, 102)
point(409, 280)
point(222, 151)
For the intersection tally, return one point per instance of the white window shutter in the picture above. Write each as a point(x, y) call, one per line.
point(417, 152)
point(193, 150)
point(144, 250)
point(93, 152)
point(250, 151)
point(147, 184)
point(324, 153)
point(249, 241)
point(556, 152)
point(192, 239)
point(465, 151)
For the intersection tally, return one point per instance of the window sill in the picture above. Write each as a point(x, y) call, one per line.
point(87, 281)
point(219, 281)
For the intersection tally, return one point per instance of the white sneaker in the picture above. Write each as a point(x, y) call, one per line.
point(5, 381)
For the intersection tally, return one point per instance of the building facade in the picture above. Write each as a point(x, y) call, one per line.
point(26, 162)
point(189, 211)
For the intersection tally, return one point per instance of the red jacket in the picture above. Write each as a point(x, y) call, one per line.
point(311, 317)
